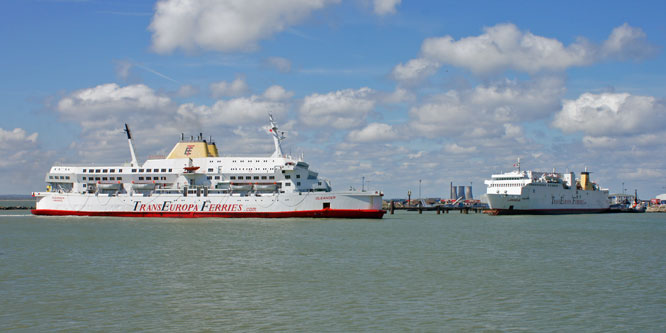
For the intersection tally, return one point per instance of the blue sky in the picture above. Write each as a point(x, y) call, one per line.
point(392, 90)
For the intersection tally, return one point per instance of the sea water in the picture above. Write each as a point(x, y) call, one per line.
point(429, 272)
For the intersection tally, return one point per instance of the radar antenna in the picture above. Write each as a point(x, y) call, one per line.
point(277, 137)
point(131, 146)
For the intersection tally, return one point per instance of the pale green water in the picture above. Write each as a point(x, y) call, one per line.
point(407, 272)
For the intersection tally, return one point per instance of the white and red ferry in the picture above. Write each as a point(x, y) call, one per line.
point(532, 192)
point(194, 181)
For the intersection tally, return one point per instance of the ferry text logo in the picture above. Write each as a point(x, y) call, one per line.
point(168, 206)
point(188, 150)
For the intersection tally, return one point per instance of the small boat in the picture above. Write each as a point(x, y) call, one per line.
point(109, 186)
point(265, 187)
point(143, 186)
point(244, 187)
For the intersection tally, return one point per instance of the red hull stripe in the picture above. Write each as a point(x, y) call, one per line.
point(327, 213)
point(543, 211)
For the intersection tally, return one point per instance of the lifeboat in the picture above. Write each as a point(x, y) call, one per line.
point(143, 186)
point(109, 186)
point(265, 187)
point(240, 187)
point(191, 168)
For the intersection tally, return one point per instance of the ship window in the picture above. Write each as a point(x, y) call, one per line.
point(140, 170)
point(287, 177)
point(163, 178)
point(90, 170)
point(112, 178)
point(120, 170)
point(163, 170)
point(133, 170)
point(97, 170)
point(271, 177)
point(209, 177)
point(263, 177)
point(84, 170)
point(256, 177)
point(119, 178)
point(112, 170)
point(84, 185)
point(83, 178)
point(232, 177)
point(104, 178)
point(217, 177)
point(50, 177)
point(298, 183)
point(210, 169)
point(319, 183)
point(298, 176)
point(287, 184)
point(248, 177)
point(147, 170)
point(105, 170)
point(96, 178)
point(156, 170)
point(169, 170)
point(140, 178)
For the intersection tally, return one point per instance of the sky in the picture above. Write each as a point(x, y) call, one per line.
point(388, 91)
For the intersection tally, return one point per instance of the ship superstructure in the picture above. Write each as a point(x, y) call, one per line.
point(194, 181)
point(534, 192)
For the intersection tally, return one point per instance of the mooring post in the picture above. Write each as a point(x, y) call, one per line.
point(439, 210)
point(392, 206)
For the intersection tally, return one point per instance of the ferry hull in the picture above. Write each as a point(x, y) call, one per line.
point(323, 213)
point(308, 205)
point(548, 201)
point(545, 211)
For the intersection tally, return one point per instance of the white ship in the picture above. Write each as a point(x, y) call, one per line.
point(194, 181)
point(531, 192)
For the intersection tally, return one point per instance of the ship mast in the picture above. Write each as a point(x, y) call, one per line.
point(277, 137)
point(134, 163)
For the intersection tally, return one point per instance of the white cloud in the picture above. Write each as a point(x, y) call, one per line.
point(415, 70)
point(225, 26)
point(16, 140)
point(110, 105)
point(232, 112)
point(187, 91)
point(611, 114)
point(277, 93)
point(400, 95)
point(236, 87)
point(23, 163)
point(374, 132)
point(282, 65)
point(626, 42)
point(454, 148)
point(384, 7)
point(340, 109)
point(123, 68)
point(485, 110)
point(504, 47)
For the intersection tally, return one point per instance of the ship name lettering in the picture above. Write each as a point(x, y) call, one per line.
point(325, 198)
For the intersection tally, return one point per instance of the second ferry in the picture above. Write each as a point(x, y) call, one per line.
point(194, 181)
point(533, 192)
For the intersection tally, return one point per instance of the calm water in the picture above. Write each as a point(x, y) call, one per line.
point(429, 272)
